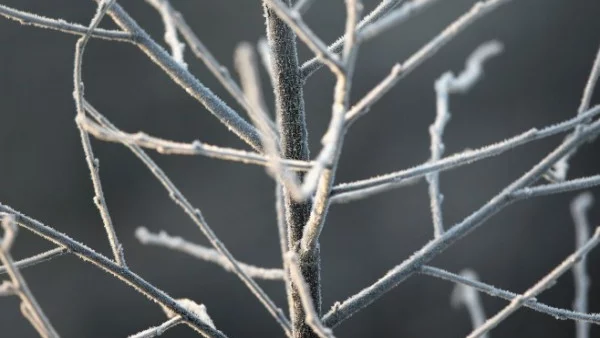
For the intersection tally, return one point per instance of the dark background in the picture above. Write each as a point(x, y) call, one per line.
point(538, 80)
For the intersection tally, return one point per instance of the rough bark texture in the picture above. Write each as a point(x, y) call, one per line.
point(294, 145)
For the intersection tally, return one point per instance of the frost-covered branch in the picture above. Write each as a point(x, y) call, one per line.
point(26, 18)
point(29, 306)
point(579, 207)
point(334, 137)
point(557, 188)
point(163, 7)
point(201, 252)
point(92, 162)
point(497, 292)
point(448, 84)
point(539, 287)
point(400, 70)
point(36, 259)
point(346, 192)
point(156, 331)
point(169, 147)
point(381, 18)
point(312, 316)
point(560, 169)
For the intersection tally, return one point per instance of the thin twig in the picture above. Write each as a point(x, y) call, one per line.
point(163, 7)
point(92, 162)
point(185, 79)
point(334, 137)
point(430, 250)
point(445, 85)
point(106, 264)
point(312, 316)
point(469, 297)
point(26, 18)
point(545, 283)
point(29, 306)
point(156, 331)
point(302, 6)
point(169, 147)
point(560, 169)
point(384, 7)
point(408, 10)
point(346, 192)
point(37, 259)
point(497, 292)
point(197, 217)
point(557, 188)
point(201, 52)
point(579, 207)
point(400, 70)
point(247, 67)
point(201, 252)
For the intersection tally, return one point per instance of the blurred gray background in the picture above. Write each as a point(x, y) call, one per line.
point(537, 81)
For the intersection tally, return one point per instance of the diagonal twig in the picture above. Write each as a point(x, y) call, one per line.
point(544, 283)
point(92, 162)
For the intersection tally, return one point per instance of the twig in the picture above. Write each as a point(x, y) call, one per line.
point(36, 259)
point(312, 316)
point(163, 7)
point(468, 296)
point(156, 331)
point(560, 169)
point(408, 10)
point(302, 6)
point(400, 70)
point(333, 139)
point(580, 205)
point(346, 192)
point(496, 292)
point(247, 67)
point(546, 282)
point(213, 65)
point(26, 18)
point(106, 264)
point(164, 146)
point(92, 162)
point(384, 7)
point(197, 217)
point(430, 250)
point(557, 188)
point(201, 252)
point(29, 306)
point(445, 85)
point(185, 79)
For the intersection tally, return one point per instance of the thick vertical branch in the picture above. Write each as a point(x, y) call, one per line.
point(293, 142)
